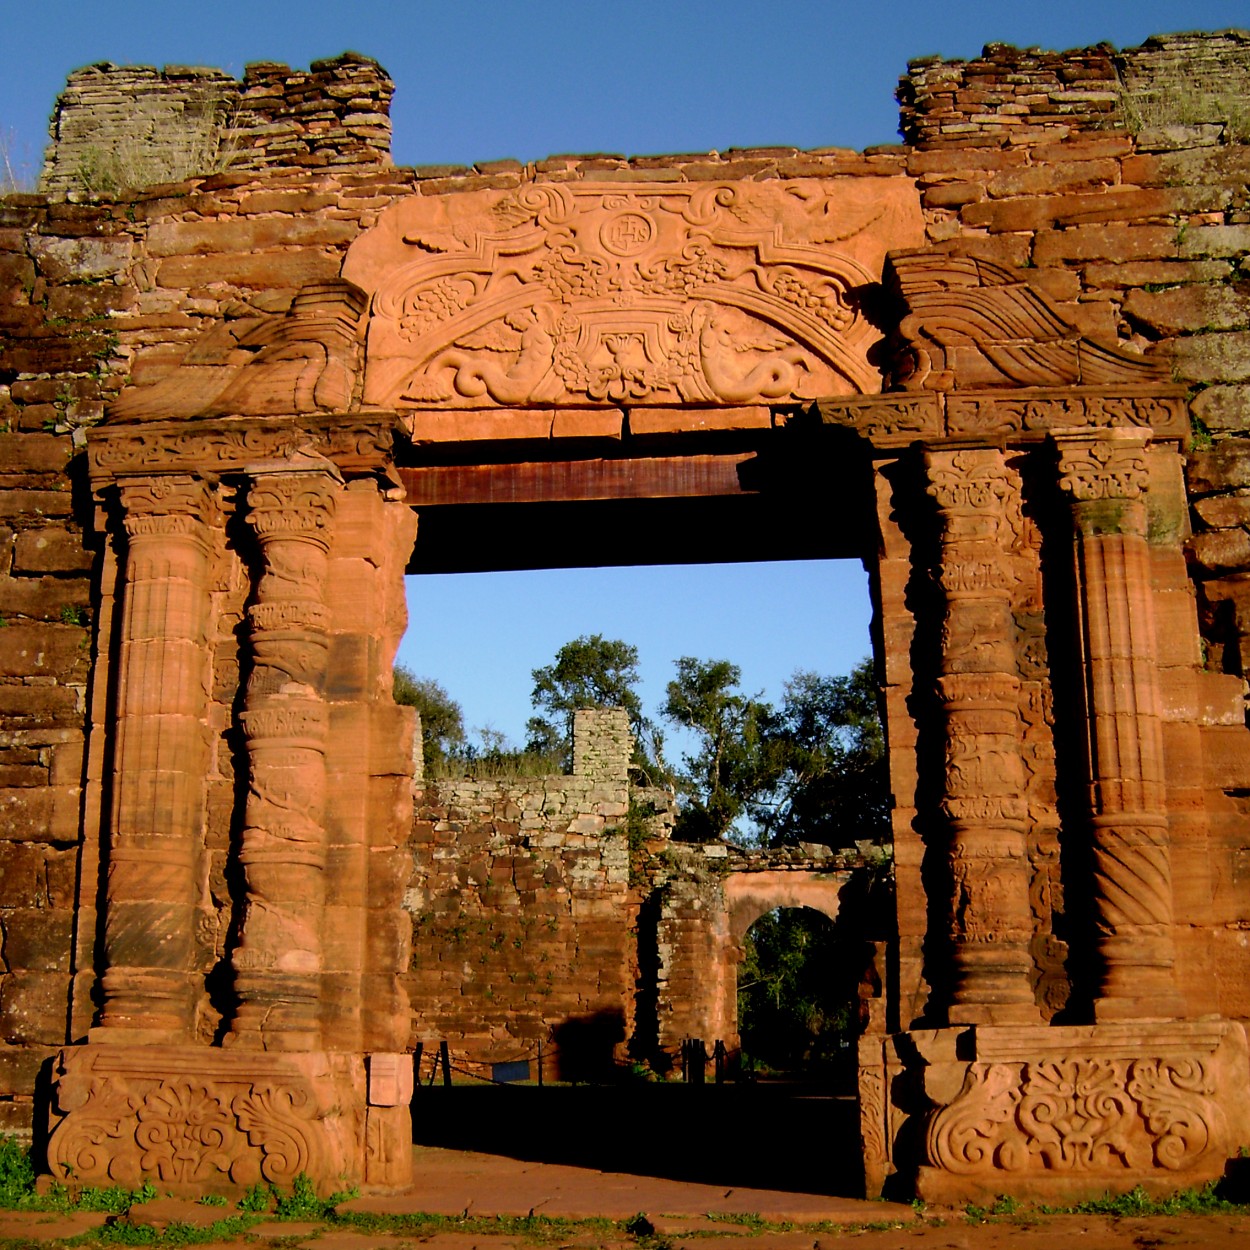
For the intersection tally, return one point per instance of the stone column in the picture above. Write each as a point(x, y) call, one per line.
point(1106, 473)
point(160, 757)
point(983, 802)
point(278, 959)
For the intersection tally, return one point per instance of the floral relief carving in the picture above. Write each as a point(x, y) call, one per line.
point(120, 1115)
point(1103, 469)
point(1079, 1113)
point(184, 1132)
point(607, 293)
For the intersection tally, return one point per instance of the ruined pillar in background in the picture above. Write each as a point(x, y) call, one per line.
point(1105, 473)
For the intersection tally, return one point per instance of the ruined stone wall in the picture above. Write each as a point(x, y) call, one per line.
point(118, 126)
point(523, 910)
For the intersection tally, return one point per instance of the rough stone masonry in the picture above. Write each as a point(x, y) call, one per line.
point(1005, 363)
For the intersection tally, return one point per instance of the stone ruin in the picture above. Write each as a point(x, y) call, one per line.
point(1006, 364)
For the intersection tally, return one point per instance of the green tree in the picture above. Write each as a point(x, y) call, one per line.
point(827, 777)
point(795, 988)
point(590, 672)
point(442, 721)
point(722, 777)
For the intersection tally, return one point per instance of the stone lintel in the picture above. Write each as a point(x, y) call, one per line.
point(1018, 417)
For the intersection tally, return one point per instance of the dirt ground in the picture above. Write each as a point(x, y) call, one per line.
point(469, 1201)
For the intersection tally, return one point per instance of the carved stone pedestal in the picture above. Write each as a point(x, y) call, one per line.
point(1063, 1114)
point(199, 1120)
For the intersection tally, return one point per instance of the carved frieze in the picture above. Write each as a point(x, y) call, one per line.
point(993, 415)
point(199, 1118)
point(1102, 1103)
point(361, 443)
point(1020, 417)
point(609, 293)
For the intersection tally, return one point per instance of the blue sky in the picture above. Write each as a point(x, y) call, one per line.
point(529, 78)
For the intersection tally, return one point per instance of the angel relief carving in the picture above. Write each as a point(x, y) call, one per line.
point(606, 294)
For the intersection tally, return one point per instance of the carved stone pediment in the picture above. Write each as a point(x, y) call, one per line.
point(616, 293)
point(971, 324)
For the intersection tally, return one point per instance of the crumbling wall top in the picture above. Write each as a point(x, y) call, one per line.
point(117, 126)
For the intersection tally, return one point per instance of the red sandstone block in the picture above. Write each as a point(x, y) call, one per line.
point(189, 238)
point(261, 270)
point(42, 650)
point(21, 875)
point(1055, 177)
point(33, 1008)
point(37, 939)
point(680, 420)
point(1226, 756)
point(1188, 308)
point(964, 160)
point(50, 549)
point(587, 423)
point(43, 598)
point(1104, 243)
point(42, 815)
point(478, 424)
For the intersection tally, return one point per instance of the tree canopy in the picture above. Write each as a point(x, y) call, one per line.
point(590, 672)
point(442, 721)
point(812, 770)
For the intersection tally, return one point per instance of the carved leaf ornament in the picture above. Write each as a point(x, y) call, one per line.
point(590, 294)
point(1079, 1114)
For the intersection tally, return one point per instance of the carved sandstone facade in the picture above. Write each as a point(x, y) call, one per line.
point(963, 361)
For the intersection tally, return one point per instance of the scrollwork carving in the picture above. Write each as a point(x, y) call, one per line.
point(594, 293)
point(278, 1121)
point(1103, 469)
point(1080, 1113)
point(965, 1137)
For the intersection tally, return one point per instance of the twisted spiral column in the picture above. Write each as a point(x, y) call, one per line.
point(1105, 474)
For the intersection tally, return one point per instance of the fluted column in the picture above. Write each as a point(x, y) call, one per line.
point(983, 801)
point(1106, 475)
point(160, 758)
point(278, 959)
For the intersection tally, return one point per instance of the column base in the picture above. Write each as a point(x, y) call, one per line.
point(197, 1119)
point(1053, 1114)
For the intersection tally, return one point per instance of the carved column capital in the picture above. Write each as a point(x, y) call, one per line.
point(166, 507)
point(294, 503)
point(1106, 476)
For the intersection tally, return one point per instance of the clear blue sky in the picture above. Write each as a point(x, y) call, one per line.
point(528, 78)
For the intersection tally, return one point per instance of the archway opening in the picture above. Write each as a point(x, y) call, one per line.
point(798, 990)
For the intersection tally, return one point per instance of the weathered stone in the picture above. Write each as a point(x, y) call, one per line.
point(1188, 308)
point(61, 260)
point(1223, 408)
point(1215, 357)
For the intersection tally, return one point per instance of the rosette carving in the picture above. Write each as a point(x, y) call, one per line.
point(184, 1132)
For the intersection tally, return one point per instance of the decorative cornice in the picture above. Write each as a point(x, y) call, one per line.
point(1018, 418)
point(356, 445)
